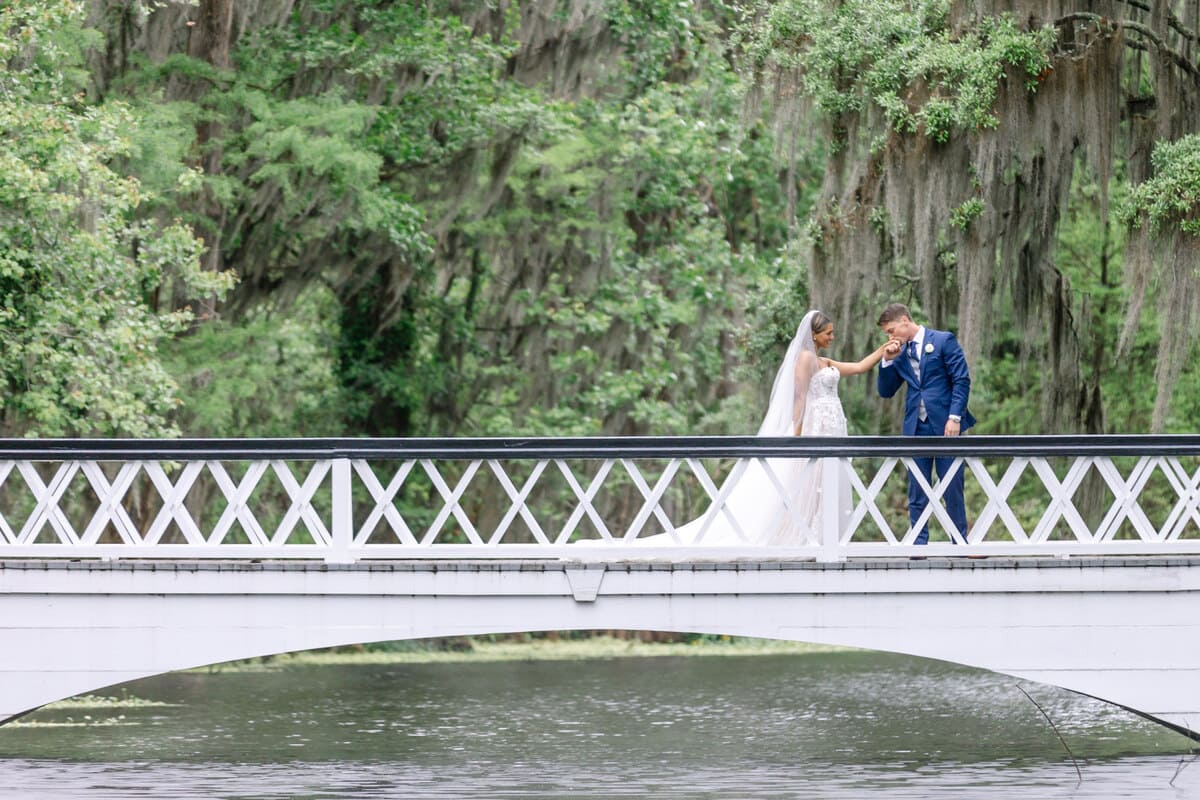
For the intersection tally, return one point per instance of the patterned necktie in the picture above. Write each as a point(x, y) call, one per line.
point(916, 365)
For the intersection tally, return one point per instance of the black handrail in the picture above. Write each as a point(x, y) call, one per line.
point(598, 447)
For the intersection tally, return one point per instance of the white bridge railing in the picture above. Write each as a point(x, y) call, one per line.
point(345, 500)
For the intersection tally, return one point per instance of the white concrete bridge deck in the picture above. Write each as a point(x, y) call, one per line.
point(1120, 629)
point(120, 560)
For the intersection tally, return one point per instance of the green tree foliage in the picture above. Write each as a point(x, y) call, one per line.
point(78, 344)
point(530, 217)
point(1171, 197)
point(1163, 219)
point(348, 134)
point(512, 246)
point(959, 128)
point(646, 343)
point(266, 374)
point(903, 60)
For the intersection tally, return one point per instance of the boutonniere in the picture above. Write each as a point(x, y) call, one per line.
point(929, 347)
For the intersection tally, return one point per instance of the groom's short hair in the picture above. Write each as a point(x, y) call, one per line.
point(894, 313)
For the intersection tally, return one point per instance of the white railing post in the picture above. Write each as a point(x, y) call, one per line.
point(831, 511)
point(341, 529)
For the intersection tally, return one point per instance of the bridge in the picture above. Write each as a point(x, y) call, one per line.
point(121, 559)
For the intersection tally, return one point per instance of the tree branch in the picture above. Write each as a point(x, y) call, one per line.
point(1053, 727)
point(1172, 20)
point(1183, 63)
point(1140, 29)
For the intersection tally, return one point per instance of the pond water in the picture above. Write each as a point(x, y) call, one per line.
point(819, 725)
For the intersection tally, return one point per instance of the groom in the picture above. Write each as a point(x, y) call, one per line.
point(935, 369)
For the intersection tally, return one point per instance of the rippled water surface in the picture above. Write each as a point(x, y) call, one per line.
point(832, 725)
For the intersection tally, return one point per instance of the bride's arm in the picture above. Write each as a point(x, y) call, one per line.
point(859, 367)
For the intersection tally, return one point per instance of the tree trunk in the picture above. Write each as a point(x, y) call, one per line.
point(210, 40)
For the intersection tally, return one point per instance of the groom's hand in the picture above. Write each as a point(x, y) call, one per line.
point(953, 428)
point(892, 349)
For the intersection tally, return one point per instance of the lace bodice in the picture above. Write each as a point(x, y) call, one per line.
point(823, 415)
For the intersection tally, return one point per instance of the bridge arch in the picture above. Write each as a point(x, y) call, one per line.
point(1123, 630)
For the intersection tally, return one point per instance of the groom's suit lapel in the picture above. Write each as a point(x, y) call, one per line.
point(922, 358)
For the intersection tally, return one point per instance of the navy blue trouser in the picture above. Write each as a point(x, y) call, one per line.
point(917, 499)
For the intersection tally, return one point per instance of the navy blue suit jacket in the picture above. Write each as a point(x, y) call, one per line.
point(945, 383)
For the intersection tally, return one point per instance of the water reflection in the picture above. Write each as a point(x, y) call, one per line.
point(835, 725)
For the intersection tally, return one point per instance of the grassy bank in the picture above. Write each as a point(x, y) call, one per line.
point(97, 710)
point(482, 650)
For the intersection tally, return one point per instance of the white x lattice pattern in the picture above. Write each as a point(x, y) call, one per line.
point(344, 510)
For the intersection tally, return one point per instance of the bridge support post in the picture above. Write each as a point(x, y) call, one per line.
point(341, 529)
point(831, 514)
point(585, 581)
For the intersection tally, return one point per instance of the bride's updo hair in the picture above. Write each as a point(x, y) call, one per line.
point(819, 321)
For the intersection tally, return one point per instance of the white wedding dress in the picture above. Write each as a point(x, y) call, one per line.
point(823, 416)
point(777, 501)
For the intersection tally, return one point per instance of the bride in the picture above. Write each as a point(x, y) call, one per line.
point(777, 501)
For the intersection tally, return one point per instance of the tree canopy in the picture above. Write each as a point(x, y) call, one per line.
point(566, 217)
point(79, 344)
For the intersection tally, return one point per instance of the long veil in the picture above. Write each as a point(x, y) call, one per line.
point(754, 510)
point(791, 383)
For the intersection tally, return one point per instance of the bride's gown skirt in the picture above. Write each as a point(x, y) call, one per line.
point(758, 503)
point(823, 416)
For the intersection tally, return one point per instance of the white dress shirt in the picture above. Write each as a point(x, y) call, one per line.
point(918, 341)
